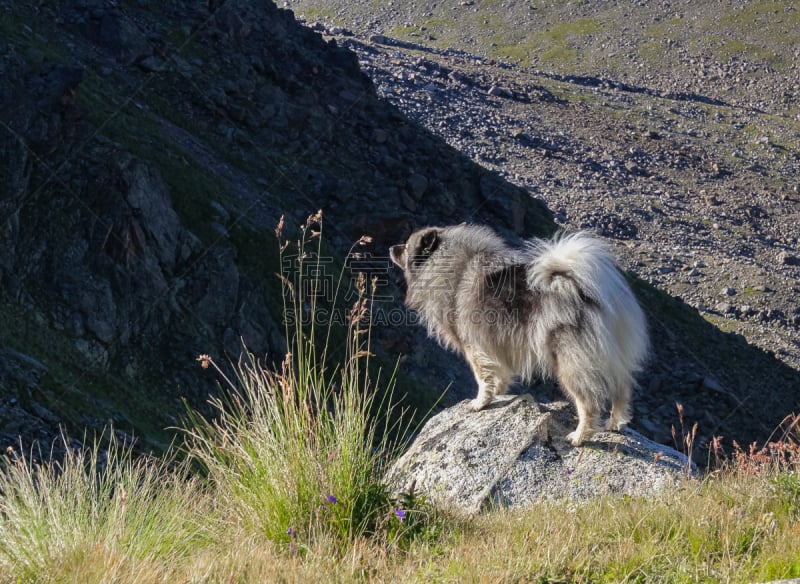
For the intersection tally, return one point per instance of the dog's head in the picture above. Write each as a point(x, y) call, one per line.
point(421, 245)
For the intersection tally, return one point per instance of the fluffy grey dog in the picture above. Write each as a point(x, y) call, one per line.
point(558, 308)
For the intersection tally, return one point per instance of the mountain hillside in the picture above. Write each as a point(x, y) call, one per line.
point(670, 128)
point(148, 150)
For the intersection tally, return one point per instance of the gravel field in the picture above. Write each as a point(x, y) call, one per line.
point(691, 169)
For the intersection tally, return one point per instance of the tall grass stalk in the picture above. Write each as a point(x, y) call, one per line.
point(97, 505)
point(297, 451)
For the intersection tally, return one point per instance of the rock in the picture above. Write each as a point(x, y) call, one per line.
point(787, 259)
point(633, 168)
point(498, 91)
point(418, 184)
point(514, 453)
point(379, 135)
point(725, 308)
point(153, 65)
point(458, 77)
point(711, 384)
point(149, 199)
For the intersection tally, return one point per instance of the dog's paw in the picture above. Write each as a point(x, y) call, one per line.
point(575, 438)
point(615, 425)
point(478, 404)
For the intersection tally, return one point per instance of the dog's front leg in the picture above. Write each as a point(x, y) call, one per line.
point(490, 378)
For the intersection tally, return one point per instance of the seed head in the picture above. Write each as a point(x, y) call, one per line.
point(315, 218)
point(205, 361)
point(279, 228)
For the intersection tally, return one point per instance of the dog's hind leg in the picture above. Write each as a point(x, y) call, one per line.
point(574, 384)
point(492, 379)
point(620, 413)
point(588, 417)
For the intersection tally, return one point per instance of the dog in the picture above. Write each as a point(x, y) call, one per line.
point(558, 308)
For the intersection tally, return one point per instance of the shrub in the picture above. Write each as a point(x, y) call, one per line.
point(298, 451)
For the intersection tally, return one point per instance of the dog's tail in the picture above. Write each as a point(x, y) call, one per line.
point(575, 265)
point(581, 286)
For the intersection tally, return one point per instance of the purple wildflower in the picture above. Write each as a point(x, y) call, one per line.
point(332, 499)
point(291, 533)
point(569, 471)
point(400, 514)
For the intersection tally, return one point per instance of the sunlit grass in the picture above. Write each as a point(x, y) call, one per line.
point(731, 526)
point(286, 484)
point(298, 451)
point(97, 504)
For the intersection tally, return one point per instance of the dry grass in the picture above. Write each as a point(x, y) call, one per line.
point(101, 517)
point(727, 528)
point(291, 491)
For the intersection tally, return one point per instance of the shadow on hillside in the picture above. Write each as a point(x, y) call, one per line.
point(604, 83)
point(729, 387)
point(580, 80)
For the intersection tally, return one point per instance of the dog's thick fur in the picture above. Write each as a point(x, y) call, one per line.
point(558, 307)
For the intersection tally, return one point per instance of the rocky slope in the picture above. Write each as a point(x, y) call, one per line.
point(682, 150)
point(147, 151)
point(693, 163)
point(149, 148)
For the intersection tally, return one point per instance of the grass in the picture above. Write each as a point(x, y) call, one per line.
point(330, 485)
point(726, 325)
point(98, 511)
point(552, 47)
point(148, 523)
point(285, 483)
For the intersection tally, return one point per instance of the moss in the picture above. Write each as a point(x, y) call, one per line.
point(72, 388)
point(771, 13)
point(320, 14)
point(557, 45)
point(726, 325)
point(581, 27)
point(404, 31)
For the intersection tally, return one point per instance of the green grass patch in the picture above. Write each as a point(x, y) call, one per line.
point(150, 521)
point(556, 46)
point(298, 451)
point(404, 31)
point(60, 519)
point(753, 16)
point(564, 31)
point(288, 486)
point(726, 325)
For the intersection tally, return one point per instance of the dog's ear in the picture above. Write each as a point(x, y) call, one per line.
point(399, 255)
point(428, 243)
